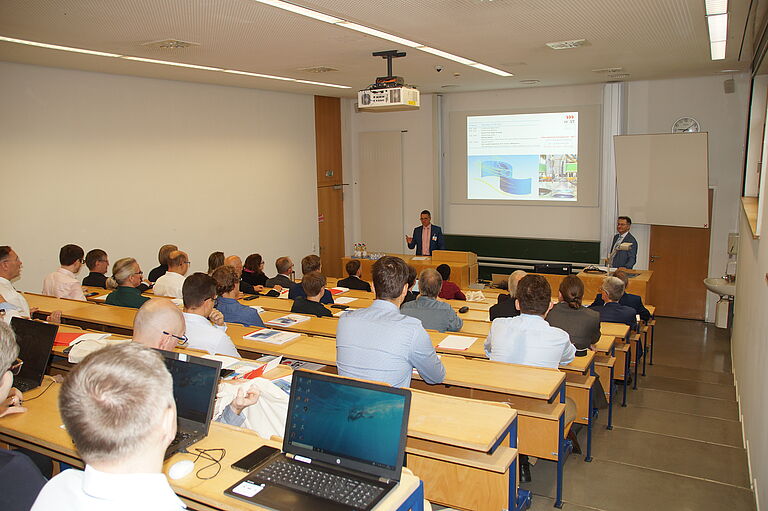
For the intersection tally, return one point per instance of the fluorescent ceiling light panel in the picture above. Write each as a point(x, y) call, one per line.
point(324, 84)
point(490, 69)
point(717, 50)
point(309, 13)
point(446, 55)
point(57, 47)
point(716, 7)
point(718, 27)
point(169, 63)
point(378, 33)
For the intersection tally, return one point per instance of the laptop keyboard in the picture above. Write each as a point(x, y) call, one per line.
point(180, 437)
point(302, 477)
point(24, 386)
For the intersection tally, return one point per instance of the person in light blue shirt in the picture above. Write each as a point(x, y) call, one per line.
point(528, 339)
point(381, 344)
point(433, 313)
point(227, 287)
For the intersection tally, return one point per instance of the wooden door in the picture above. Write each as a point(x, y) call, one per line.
point(330, 205)
point(679, 258)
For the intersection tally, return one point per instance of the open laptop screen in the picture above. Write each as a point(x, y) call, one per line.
point(194, 385)
point(348, 423)
point(35, 340)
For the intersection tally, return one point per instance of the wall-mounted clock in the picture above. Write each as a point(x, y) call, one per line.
point(685, 125)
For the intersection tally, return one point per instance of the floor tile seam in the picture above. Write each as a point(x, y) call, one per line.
point(630, 405)
point(690, 369)
point(616, 426)
point(689, 476)
point(684, 394)
point(568, 502)
point(644, 378)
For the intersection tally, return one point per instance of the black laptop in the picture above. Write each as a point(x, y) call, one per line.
point(195, 381)
point(343, 447)
point(35, 340)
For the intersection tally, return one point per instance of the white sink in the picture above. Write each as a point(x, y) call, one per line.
point(720, 286)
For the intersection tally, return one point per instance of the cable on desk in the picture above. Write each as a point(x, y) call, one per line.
point(215, 461)
point(40, 394)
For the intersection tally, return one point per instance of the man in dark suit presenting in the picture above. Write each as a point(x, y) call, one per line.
point(623, 258)
point(426, 237)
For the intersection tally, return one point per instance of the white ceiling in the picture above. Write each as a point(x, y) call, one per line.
point(648, 38)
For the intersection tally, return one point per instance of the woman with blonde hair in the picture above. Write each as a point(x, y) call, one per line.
point(126, 279)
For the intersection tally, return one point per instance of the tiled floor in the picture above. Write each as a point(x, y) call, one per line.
point(677, 445)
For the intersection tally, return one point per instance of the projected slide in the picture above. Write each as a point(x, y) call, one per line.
point(523, 156)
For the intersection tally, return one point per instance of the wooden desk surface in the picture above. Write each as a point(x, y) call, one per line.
point(40, 426)
point(605, 343)
point(615, 329)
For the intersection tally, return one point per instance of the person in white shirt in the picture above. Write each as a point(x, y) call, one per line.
point(205, 325)
point(62, 283)
point(528, 339)
point(12, 302)
point(118, 407)
point(171, 282)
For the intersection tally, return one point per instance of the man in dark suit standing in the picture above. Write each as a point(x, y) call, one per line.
point(623, 258)
point(426, 237)
point(612, 311)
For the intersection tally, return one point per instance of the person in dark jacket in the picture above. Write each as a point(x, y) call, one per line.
point(505, 307)
point(313, 284)
point(581, 323)
point(353, 281)
point(98, 264)
point(612, 311)
point(630, 300)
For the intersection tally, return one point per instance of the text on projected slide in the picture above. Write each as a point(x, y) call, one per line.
point(523, 156)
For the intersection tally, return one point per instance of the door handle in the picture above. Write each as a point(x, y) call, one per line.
point(654, 257)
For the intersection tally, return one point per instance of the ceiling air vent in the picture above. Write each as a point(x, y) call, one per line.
point(170, 44)
point(567, 45)
point(618, 77)
point(608, 70)
point(317, 69)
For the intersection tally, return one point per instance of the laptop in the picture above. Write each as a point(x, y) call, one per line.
point(35, 340)
point(195, 381)
point(553, 269)
point(343, 447)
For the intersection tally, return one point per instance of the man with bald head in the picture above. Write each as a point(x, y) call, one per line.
point(160, 324)
point(237, 263)
point(170, 283)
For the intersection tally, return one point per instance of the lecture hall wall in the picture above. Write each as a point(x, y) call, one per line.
point(127, 164)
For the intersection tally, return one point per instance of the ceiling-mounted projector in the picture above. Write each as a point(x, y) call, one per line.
point(389, 93)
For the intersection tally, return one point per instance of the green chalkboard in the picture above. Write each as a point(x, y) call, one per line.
point(587, 252)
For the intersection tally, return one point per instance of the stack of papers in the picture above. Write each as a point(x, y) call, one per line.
point(288, 320)
point(271, 336)
point(456, 342)
point(344, 300)
point(72, 338)
point(341, 313)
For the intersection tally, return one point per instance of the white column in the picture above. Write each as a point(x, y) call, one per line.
point(614, 123)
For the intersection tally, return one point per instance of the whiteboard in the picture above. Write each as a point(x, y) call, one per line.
point(663, 179)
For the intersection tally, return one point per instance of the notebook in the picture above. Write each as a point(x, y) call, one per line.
point(195, 381)
point(343, 447)
point(35, 340)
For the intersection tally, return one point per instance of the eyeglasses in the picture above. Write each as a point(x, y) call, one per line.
point(181, 340)
point(139, 273)
point(15, 368)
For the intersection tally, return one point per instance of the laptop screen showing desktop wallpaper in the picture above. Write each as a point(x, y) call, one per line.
point(193, 384)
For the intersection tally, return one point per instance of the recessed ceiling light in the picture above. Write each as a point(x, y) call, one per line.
point(619, 76)
point(717, 50)
point(164, 62)
point(716, 7)
point(567, 45)
point(730, 70)
point(170, 44)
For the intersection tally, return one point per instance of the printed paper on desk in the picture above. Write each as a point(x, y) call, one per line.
point(338, 290)
point(284, 293)
point(226, 362)
point(258, 308)
point(344, 300)
point(419, 258)
point(456, 342)
point(271, 336)
point(288, 320)
point(101, 298)
point(341, 313)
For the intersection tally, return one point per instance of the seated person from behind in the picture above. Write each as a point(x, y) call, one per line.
point(126, 279)
point(433, 314)
point(528, 339)
point(169, 284)
point(162, 257)
point(353, 281)
point(62, 283)
point(284, 267)
point(253, 271)
point(308, 264)
point(160, 324)
point(205, 325)
point(118, 407)
point(379, 343)
point(98, 263)
point(313, 284)
point(612, 311)
point(505, 308)
point(237, 263)
point(20, 479)
point(227, 283)
point(630, 300)
point(411, 294)
point(449, 291)
point(581, 323)
point(215, 260)
point(13, 303)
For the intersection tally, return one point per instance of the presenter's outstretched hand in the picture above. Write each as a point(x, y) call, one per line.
point(409, 239)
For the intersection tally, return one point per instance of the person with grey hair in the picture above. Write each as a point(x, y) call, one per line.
point(505, 308)
point(12, 303)
point(20, 479)
point(612, 311)
point(118, 407)
point(169, 284)
point(433, 313)
point(126, 279)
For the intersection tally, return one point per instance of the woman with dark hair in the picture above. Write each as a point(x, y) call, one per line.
point(581, 323)
point(253, 270)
